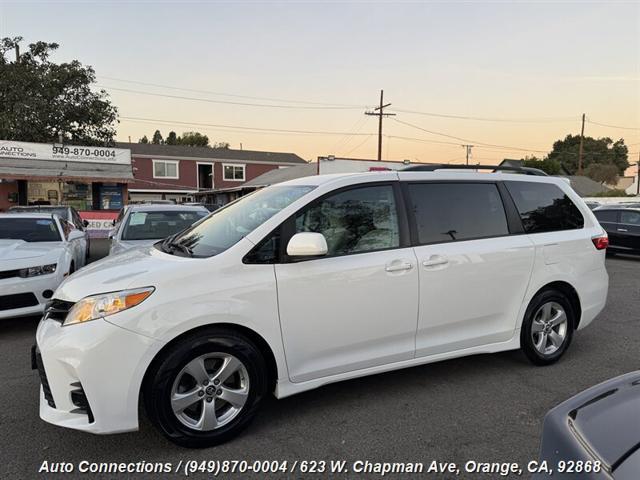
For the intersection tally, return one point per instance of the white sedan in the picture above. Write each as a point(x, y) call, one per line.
point(144, 225)
point(37, 252)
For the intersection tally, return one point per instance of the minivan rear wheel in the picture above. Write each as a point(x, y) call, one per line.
point(206, 389)
point(548, 327)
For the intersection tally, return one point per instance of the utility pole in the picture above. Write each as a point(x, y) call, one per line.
point(580, 150)
point(379, 112)
point(638, 176)
point(468, 149)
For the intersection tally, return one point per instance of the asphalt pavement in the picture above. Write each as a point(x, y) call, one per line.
point(486, 408)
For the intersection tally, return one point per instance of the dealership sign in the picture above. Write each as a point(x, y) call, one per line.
point(62, 152)
point(100, 222)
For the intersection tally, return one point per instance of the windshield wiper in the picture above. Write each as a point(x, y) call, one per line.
point(181, 247)
point(169, 246)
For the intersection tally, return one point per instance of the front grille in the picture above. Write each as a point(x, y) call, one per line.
point(37, 359)
point(9, 274)
point(57, 310)
point(79, 399)
point(18, 300)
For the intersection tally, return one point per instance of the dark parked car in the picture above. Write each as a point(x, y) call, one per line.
point(596, 434)
point(622, 224)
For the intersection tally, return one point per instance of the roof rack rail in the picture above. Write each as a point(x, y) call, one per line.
point(432, 167)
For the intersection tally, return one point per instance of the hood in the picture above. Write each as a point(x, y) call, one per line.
point(122, 245)
point(19, 254)
point(137, 267)
point(603, 419)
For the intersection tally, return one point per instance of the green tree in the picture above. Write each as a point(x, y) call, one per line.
point(172, 139)
point(144, 139)
point(194, 139)
point(603, 173)
point(602, 151)
point(551, 167)
point(157, 138)
point(41, 101)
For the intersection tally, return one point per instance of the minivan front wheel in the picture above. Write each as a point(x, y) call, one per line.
point(548, 327)
point(206, 389)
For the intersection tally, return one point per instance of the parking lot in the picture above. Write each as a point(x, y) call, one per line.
point(487, 408)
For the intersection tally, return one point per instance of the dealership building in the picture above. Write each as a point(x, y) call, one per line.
point(87, 178)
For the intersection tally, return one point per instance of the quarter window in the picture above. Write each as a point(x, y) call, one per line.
point(630, 218)
point(448, 212)
point(235, 173)
point(165, 169)
point(544, 207)
point(360, 220)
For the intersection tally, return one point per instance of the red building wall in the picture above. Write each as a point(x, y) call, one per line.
point(188, 173)
point(7, 188)
point(252, 170)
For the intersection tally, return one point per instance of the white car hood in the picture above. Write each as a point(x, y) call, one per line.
point(138, 267)
point(122, 245)
point(21, 254)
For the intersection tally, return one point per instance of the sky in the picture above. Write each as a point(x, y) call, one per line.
point(520, 74)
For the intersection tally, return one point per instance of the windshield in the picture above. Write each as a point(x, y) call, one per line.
point(155, 225)
point(227, 226)
point(29, 229)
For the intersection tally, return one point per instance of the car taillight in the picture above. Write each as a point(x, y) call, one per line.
point(601, 242)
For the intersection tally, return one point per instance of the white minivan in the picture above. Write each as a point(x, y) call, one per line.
point(313, 281)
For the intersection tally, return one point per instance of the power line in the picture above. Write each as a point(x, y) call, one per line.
point(488, 119)
point(242, 127)
point(612, 126)
point(468, 140)
point(232, 95)
point(228, 102)
point(358, 145)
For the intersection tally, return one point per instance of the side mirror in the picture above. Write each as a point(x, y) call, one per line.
point(111, 234)
point(85, 223)
point(307, 244)
point(114, 222)
point(75, 235)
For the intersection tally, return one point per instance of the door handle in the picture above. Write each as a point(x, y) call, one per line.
point(623, 230)
point(434, 261)
point(397, 267)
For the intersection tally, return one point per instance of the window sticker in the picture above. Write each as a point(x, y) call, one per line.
point(138, 218)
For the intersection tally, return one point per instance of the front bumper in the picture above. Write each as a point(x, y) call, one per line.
point(98, 363)
point(24, 296)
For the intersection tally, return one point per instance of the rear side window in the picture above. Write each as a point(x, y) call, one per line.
point(630, 218)
point(610, 216)
point(457, 211)
point(544, 207)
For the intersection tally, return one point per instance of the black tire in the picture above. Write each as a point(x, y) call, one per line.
point(526, 339)
point(159, 381)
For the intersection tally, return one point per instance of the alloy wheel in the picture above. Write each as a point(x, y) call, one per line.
point(549, 328)
point(210, 391)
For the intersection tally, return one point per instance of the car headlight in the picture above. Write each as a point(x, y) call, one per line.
point(35, 271)
point(98, 306)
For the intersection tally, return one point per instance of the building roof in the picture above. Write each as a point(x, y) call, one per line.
point(24, 168)
point(183, 152)
point(278, 175)
point(584, 186)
